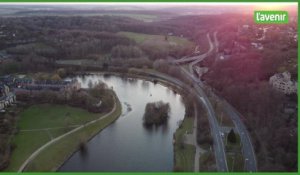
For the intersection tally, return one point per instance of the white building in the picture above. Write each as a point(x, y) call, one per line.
point(258, 46)
point(6, 97)
point(283, 83)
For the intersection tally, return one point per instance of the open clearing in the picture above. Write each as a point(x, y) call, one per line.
point(53, 156)
point(158, 40)
point(39, 124)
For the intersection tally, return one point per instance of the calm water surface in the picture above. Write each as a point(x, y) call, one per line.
point(126, 145)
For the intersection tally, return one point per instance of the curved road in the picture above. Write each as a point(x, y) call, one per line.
point(199, 93)
point(197, 57)
point(219, 149)
point(201, 57)
point(247, 147)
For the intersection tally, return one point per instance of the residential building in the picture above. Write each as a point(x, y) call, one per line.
point(283, 83)
point(29, 84)
point(6, 96)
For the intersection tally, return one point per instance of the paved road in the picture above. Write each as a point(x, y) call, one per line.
point(219, 147)
point(247, 147)
point(33, 155)
point(214, 126)
point(215, 129)
point(250, 162)
point(197, 57)
point(201, 57)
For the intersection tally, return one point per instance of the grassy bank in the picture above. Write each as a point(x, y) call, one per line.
point(38, 124)
point(235, 162)
point(235, 158)
point(50, 116)
point(55, 154)
point(207, 162)
point(184, 154)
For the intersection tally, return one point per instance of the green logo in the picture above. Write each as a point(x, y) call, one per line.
point(271, 17)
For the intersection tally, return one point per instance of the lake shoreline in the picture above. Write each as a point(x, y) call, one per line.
point(113, 116)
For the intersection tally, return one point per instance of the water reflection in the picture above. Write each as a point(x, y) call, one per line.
point(126, 145)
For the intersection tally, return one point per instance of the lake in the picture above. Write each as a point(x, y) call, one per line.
point(126, 144)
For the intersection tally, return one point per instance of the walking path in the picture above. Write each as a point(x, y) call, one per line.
point(33, 155)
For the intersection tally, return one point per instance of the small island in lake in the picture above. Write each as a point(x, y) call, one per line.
point(156, 113)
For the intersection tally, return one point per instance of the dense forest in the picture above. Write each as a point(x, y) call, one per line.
point(243, 80)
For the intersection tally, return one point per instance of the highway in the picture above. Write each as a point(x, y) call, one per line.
point(219, 149)
point(215, 129)
point(247, 147)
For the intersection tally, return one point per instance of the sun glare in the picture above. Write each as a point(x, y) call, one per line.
point(271, 6)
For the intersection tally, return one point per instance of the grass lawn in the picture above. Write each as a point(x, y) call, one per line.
point(158, 40)
point(207, 162)
point(57, 132)
point(54, 155)
point(235, 159)
point(184, 156)
point(52, 116)
point(235, 162)
point(58, 118)
point(26, 143)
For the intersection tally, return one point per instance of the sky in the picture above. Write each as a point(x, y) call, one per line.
point(247, 7)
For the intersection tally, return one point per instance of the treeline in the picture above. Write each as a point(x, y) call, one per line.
point(92, 23)
point(7, 129)
point(73, 44)
point(242, 80)
point(36, 43)
point(274, 133)
point(98, 98)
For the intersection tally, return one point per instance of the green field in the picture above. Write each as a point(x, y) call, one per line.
point(207, 162)
point(184, 157)
point(54, 155)
point(158, 40)
point(53, 116)
point(235, 162)
point(39, 124)
point(235, 159)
